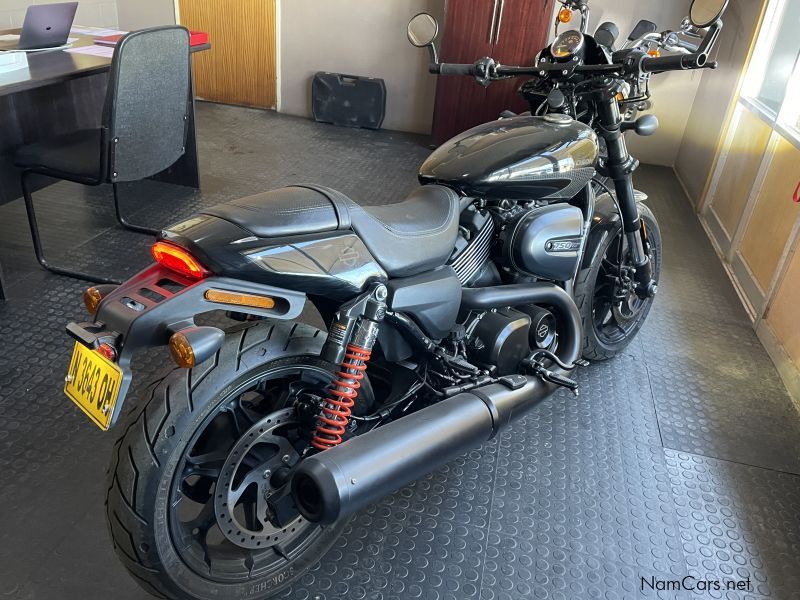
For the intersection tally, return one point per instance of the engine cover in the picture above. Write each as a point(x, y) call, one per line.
point(501, 339)
point(545, 242)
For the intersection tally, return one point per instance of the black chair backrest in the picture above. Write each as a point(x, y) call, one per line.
point(147, 102)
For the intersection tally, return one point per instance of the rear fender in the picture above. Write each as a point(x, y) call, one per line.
point(147, 309)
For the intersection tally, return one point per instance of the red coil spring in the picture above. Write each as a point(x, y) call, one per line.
point(344, 390)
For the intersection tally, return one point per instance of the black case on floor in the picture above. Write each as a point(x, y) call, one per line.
point(348, 100)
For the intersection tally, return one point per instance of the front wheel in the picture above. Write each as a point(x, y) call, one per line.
point(198, 504)
point(611, 311)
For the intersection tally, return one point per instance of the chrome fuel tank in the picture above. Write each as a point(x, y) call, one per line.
point(550, 157)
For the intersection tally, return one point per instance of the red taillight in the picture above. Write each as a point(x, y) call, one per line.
point(108, 351)
point(179, 260)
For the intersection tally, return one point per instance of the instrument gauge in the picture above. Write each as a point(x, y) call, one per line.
point(567, 44)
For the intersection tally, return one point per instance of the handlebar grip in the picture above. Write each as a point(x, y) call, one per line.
point(678, 62)
point(451, 69)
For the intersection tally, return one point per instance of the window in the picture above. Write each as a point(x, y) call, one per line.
point(772, 82)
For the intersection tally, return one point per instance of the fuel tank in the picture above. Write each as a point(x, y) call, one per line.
point(550, 158)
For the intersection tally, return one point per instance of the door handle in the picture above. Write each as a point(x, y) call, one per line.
point(499, 21)
point(491, 25)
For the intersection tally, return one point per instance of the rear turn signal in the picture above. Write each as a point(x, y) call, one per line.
point(235, 298)
point(191, 346)
point(565, 15)
point(179, 260)
point(91, 299)
point(94, 295)
point(181, 351)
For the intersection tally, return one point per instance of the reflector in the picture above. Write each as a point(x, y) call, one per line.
point(225, 297)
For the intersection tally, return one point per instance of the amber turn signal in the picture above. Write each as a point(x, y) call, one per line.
point(654, 52)
point(181, 351)
point(565, 15)
point(193, 345)
point(91, 299)
point(235, 298)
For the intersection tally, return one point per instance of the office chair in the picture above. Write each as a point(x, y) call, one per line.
point(143, 128)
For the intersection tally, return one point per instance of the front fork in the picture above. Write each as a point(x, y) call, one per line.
point(620, 166)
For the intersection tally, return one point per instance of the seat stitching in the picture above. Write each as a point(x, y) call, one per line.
point(427, 232)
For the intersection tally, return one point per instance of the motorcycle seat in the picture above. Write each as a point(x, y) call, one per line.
point(406, 238)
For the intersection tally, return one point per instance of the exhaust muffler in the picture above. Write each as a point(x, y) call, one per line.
point(338, 482)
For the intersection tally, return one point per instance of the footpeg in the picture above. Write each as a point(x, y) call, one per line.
point(540, 370)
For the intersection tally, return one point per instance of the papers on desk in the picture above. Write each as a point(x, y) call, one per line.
point(13, 61)
point(96, 31)
point(104, 51)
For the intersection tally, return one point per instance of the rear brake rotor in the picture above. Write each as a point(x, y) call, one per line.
point(247, 482)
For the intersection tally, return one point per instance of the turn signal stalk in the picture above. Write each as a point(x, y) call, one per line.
point(191, 346)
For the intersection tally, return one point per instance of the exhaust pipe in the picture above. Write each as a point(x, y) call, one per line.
point(337, 482)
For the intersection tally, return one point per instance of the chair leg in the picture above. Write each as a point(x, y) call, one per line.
point(37, 241)
point(126, 224)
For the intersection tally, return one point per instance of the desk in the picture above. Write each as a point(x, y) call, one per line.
point(58, 93)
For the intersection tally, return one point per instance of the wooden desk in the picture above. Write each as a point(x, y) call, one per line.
point(58, 93)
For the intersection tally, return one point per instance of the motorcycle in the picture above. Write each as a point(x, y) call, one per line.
point(449, 315)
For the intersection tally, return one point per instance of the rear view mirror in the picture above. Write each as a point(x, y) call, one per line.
point(703, 13)
point(422, 30)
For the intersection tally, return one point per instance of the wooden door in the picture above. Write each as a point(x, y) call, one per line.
point(468, 31)
point(521, 32)
point(510, 31)
point(241, 66)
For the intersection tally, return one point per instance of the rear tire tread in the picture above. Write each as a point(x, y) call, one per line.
point(127, 512)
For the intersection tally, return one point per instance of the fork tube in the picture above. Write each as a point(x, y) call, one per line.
point(620, 166)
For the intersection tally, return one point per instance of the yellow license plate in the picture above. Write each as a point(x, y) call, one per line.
point(92, 383)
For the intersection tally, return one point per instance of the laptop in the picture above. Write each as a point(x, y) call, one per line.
point(45, 26)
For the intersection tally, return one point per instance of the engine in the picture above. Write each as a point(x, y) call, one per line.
point(536, 241)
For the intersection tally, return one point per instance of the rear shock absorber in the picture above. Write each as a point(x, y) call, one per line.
point(337, 408)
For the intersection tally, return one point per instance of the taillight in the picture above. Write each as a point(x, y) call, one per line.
point(179, 260)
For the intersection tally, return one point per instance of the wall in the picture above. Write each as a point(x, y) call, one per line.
point(672, 93)
point(357, 37)
point(138, 14)
point(100, 13)
point(714, 97)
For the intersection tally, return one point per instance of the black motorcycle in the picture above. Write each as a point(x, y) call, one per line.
point(448, 316)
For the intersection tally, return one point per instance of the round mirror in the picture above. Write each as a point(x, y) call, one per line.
point(422, 30)
point(705, 12)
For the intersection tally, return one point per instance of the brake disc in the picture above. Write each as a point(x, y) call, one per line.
point(247, 482)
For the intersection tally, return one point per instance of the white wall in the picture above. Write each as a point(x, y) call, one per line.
point(357, 37)
point(138, 14)
point(101, 13)
point(672, 93)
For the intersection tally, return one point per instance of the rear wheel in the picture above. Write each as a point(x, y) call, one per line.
point(611, 311)
point(198, 504)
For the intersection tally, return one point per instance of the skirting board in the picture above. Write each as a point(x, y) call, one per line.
point(789, 372)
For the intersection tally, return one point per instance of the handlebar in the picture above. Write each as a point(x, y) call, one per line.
point(632, 63)
point(452, 69)
point(678, 62)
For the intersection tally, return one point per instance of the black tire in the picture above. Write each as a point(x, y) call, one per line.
point(595, 345)
point(153, 447)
